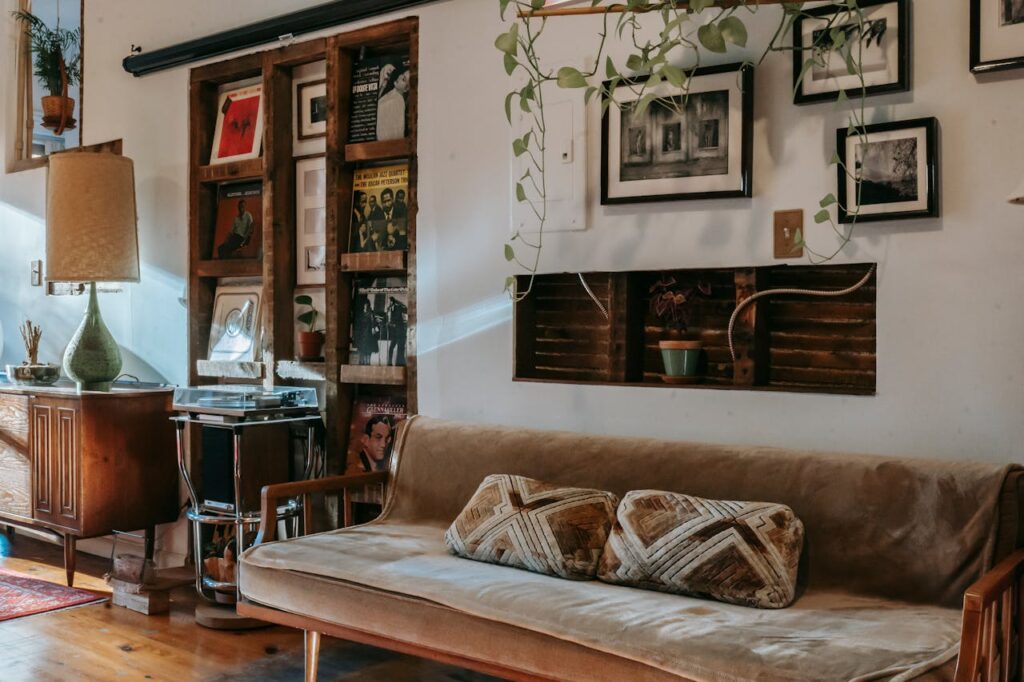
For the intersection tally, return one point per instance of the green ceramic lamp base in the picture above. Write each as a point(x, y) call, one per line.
point(92, 359)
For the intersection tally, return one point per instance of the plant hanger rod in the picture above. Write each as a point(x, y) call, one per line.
point(619, 9)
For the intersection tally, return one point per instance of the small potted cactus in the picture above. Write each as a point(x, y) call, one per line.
point(31, 372)
point(311, 340)
point(672, 303)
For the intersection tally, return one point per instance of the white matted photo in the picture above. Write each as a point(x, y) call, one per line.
point(305, 76)
point(881, 43)
point(997, 35)
point(235, 331)
point(312, 109)
point(692, 143)
point(310, 221)
point(890, 173)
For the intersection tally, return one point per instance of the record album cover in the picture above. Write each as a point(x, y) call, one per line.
point(375, 421)
point(380, 93)
point(380, 209)
point(380, 321)
point(235, 331)
point(239, 228)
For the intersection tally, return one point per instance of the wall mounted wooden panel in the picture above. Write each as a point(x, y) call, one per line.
point(785, 342)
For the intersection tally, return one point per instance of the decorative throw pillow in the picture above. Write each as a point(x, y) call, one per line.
point(541, 527)
point(738, 552)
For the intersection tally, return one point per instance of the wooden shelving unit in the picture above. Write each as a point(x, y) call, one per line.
point(276, 270)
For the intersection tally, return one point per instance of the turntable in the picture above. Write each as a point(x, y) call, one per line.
point(245, 403)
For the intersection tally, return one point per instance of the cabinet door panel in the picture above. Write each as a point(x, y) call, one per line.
point(66, 489)
point(42, 459)
point(15, 463)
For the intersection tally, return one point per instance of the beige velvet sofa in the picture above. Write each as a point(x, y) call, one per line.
point(892, 546)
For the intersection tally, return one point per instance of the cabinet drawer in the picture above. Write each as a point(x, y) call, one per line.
point(15, 462)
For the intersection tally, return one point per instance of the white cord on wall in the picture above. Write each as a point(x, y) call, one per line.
point(802, 292)
point(604, 311)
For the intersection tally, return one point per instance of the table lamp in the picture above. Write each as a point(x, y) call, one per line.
point(91, 236)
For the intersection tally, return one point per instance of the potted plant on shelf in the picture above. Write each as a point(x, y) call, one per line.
point(30, 372)
point(57, 64)
point(311, 341)
point(672, 303)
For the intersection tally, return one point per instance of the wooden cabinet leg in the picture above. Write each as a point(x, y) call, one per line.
point(69, 559)
point(312, 654)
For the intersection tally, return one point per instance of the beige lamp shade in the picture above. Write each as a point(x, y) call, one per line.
point(91, 233)
point(1018, 195)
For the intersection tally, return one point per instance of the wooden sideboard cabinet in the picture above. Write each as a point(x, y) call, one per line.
point(82, 465)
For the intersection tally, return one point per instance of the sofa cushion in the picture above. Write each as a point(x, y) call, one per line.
point(743, 553)
point(825, 635)
point(541, 527)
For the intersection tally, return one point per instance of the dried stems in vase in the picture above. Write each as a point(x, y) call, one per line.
point(31, 334)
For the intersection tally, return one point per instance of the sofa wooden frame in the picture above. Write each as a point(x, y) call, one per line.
point(991, 645)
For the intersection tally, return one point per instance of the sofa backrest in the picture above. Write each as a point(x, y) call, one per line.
point(914, 529)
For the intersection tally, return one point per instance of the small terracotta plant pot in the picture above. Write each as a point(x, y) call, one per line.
point(311, 345)
point(682, 358)
point(53, 106)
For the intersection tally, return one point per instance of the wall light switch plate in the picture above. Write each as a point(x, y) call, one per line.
point(37, 273)
point(789, 229)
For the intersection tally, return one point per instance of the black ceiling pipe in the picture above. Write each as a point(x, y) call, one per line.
point(261, 32)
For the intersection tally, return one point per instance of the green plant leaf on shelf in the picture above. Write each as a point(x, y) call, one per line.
point(520, 192)
point(304, 300)
point(508, 106)
point(308, 318)
point(733, 30)
point(509, 42)
point(711, 38)
point(510, 64)
point(609, 68)
point(698, 6)
point(510, 254)
point(828, 201)
point(674, 75)
point(510, 283)
point(518, 148)
point(821, 216)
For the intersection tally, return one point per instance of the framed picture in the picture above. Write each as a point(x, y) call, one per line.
point(238, 232)
point(235, 331)
point(239, 132)
point(997, 35)
point(692, 143)
point(897, 164)
point(311, 221)
point(884, 49)
point(312, 109)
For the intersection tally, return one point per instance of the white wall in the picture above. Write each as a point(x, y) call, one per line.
point(950, 374)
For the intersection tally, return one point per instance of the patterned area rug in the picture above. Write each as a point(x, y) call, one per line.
point(350, 662)
point(21, 595)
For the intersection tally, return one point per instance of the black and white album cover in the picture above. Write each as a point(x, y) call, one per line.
point(380, 94)
point(380, 321)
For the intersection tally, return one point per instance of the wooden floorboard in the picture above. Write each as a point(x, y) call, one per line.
point(102, 642)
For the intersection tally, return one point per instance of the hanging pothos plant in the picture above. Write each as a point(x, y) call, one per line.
point(688, 30)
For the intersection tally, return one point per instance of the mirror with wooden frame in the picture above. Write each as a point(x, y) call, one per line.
point(49, 77)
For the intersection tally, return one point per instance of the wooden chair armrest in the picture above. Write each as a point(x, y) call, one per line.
point(992, 638)
point(272, 494)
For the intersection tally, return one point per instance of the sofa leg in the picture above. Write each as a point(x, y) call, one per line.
point(312, 654)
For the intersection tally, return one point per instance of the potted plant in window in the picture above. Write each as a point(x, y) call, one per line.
point(311, 341)
point(672, 303)
point(57, 64)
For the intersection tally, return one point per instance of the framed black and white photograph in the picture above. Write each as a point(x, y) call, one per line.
point(312, 109)
point(997, 35)
point(883, 51)
point(693, 143)
point(898, 168)
point(310, 221)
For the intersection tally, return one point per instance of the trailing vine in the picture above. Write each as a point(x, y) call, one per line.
point(687, 30)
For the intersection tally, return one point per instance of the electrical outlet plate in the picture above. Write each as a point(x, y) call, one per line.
point(789, 227)
point(37, 273)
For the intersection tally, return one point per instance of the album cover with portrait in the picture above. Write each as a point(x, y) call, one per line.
point(375, 421)
point(238, 232)
point(380, 209)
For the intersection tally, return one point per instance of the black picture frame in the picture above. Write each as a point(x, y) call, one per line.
point(903, 50)
point(745, 75)
point(931, 126)
point(979, 66)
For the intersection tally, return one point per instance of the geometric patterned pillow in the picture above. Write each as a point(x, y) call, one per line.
point(540, 527)
point(742, 553)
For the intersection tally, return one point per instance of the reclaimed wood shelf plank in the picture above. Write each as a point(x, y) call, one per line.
point(379, 151)
point(228, 268)
point(302, 370)
point(374, 261)
point(250, 169)
point(372, 374)
point(224, 369)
